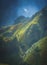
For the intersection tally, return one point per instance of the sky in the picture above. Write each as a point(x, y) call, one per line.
point(11, 9)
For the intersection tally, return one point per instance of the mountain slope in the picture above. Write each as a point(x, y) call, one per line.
point(37, 54)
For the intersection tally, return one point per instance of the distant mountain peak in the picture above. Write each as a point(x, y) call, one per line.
point(20, 19)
